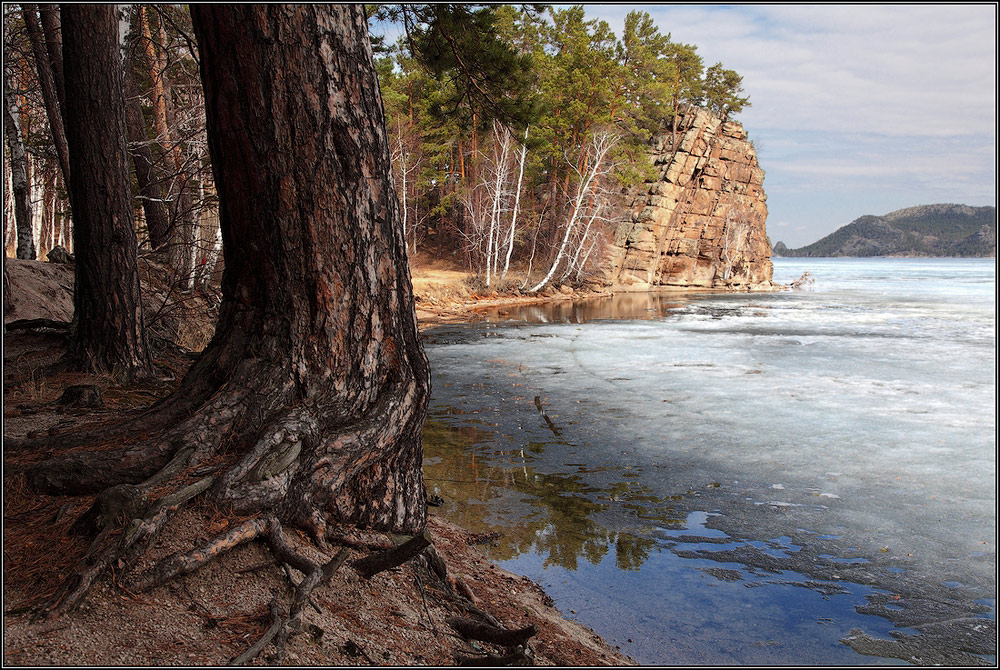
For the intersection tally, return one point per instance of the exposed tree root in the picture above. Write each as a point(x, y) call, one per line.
point(278, 622)
point(185, 563)
point(125, 519)
point(475, 630)
point(105, 550)
point(520, 656)
point(283, 623)
point(240, 433)
point(369, 566)
point(32, 324)
point(262, 479)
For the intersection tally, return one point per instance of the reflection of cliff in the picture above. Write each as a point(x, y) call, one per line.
point(701, 222)
point(646, 305)
point(551, 514)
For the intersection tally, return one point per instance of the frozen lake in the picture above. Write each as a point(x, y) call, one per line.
point(792, 478)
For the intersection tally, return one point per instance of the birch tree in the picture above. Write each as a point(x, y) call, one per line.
point(601, 144)
point(21, 187)
point(486, 203)
point(516, 207)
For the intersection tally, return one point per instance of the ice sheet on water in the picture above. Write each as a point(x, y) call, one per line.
point(889, 385)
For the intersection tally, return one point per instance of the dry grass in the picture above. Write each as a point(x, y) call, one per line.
point(28, 387)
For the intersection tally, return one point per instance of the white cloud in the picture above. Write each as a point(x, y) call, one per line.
point(898, 69)
point(859, 109)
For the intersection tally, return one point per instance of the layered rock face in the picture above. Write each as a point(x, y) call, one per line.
point(700, 223)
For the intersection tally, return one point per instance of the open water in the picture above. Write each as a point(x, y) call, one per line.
point(802, 477)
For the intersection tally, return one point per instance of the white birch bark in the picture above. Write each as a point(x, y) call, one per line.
point(583, 263)
point(20, 188)
point(517, 206)
point(501, 145)
point(583, 240)
point(9, 223)
point(602, 144)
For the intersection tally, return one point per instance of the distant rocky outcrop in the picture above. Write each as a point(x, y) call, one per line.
point(928, 230)
point(701, 221)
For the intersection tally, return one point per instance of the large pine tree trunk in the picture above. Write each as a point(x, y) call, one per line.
point(318, 307)
point(108, 325)
point(314, 388)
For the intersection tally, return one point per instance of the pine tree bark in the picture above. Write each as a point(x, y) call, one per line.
point(314, 389)
point(317, 303)
point(149, 183)
point(108, 329)
point(46, 79)
point(52, 29)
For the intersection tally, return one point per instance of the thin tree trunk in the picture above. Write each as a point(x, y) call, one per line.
point(19, 173)
point(108, 333)
point(182, 224)
point(583, 240)
point(52, 29)
point(47, 240)
point(150, 185)
point(9, 224)
point(8, 296)
point(583, 263)
point(601, 149)
point(517, 206)
point(46, 78)
point(62, 218)
point(150, 191)
point(212, 259)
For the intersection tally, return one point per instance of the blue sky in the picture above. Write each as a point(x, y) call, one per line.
point(855, 109)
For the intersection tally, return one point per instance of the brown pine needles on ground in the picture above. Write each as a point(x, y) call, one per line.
point(35, 532)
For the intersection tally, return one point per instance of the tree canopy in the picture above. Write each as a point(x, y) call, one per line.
point(461, 82)
point(557, 81)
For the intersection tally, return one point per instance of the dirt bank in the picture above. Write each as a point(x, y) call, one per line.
point(403, 616)
point(444, 295)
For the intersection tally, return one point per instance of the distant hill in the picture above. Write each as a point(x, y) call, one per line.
point(927, 230)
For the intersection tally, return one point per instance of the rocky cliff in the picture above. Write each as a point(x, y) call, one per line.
point(700, 221)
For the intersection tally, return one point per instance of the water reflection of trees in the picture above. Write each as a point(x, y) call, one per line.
point(640, 305)
point(548, 514)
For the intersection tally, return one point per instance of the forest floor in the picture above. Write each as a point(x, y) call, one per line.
point(398, 617)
